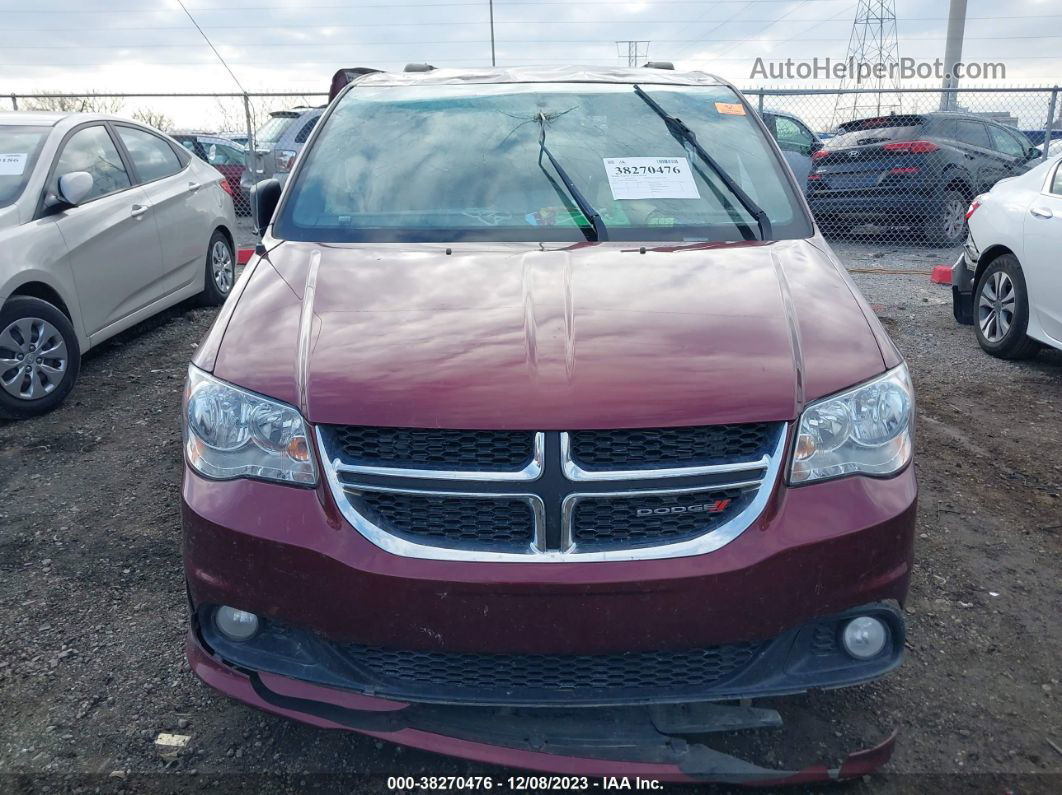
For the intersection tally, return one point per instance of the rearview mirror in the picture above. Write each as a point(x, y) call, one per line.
point(264, 198)
point(74, 187)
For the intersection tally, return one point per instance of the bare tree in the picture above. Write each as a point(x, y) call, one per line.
point(86, 103)
point(153, 118)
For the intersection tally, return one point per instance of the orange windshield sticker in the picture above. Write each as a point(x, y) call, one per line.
point(730, 108)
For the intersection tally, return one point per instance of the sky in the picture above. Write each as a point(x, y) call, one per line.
point(283, 45)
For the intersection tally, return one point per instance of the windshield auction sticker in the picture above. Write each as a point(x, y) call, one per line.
point(12, 165)
point(650, 178)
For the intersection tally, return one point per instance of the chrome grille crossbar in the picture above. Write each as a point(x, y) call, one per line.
point(552, 496)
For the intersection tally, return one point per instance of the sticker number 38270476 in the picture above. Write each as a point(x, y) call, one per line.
point(650, 178)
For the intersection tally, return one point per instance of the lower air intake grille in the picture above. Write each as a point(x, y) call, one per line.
point(519, 674)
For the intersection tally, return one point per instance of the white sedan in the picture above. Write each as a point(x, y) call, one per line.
point(103, 223)
point(1008, 280)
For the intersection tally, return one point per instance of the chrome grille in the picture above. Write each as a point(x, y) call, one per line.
point(547, 506)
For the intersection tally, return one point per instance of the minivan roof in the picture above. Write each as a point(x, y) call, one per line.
point(540, 74)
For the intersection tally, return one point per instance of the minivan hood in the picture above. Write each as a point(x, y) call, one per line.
point(528, 336)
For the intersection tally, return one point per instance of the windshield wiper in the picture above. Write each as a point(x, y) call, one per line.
point(592, 215)
point(685, 134)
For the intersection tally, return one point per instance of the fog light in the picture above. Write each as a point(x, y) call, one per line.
point(864, 637)
point(238, 625)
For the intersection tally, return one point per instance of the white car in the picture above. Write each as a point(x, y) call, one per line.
point(1008, 280)
point(103, 223)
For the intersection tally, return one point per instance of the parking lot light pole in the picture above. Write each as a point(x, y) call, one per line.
point(953, 53)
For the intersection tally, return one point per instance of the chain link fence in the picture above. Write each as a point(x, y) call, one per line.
point(894, 165)
point(903, 166)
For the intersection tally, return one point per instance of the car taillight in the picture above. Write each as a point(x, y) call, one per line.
point(285, 159)
point(820, 154)
point(225, 186)
point(973, 207)
point(911, 147)
point(903, 170)
point(814, 177)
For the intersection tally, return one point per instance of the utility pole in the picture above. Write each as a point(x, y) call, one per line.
point(953, 52)
point(633, 51)
point(492, 61)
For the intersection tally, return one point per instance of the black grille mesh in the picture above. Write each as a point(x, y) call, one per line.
point(454, 519)
point(670, 447)
point(432, 448)
point(615, 520)
point(517, 673)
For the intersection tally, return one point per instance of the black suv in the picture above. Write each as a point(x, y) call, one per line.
point(915, 169)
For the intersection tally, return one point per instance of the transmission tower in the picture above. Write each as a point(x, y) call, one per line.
point(873, 41)
point(634, 51)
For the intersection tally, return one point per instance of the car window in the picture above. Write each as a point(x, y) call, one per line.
point(1056, 184)
point(454, 162)
point(152, 156)
point(1003, 141)
point(91, 149)
point(972, 132)
point(221, 155)
point(864, 132)
point(20, 145)
point(307, 128)
point(272, 130)
point(792, 135)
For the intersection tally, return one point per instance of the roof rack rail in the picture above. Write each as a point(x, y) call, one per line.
point(659, 65)
point(419, 67)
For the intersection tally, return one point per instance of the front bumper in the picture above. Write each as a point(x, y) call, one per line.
point(646, 743)
point(286, 554)
point(803, 658)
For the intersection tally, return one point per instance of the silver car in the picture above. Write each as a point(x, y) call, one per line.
point(103, 223)
point(277, 144)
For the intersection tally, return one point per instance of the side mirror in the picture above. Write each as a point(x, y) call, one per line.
point(815, 147)
point(1034, 153)
point(74, 187)
point(264, 198)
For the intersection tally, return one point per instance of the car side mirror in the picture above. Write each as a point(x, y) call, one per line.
point(74, 187)
point(1033, 153)
point(815, 147)
point(264, 198)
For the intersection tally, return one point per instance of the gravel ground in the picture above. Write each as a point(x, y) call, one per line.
point(92, 610)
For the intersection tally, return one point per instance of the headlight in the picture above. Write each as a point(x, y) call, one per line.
point(864, 430)
point(232, 433)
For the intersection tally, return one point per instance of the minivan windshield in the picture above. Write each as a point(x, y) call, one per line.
point(466, 162)
point(19, 147)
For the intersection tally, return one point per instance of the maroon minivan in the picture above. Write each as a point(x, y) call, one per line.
point(546, 430)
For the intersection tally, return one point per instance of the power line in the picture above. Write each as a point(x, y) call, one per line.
point(598, 42)
point(232, 74)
